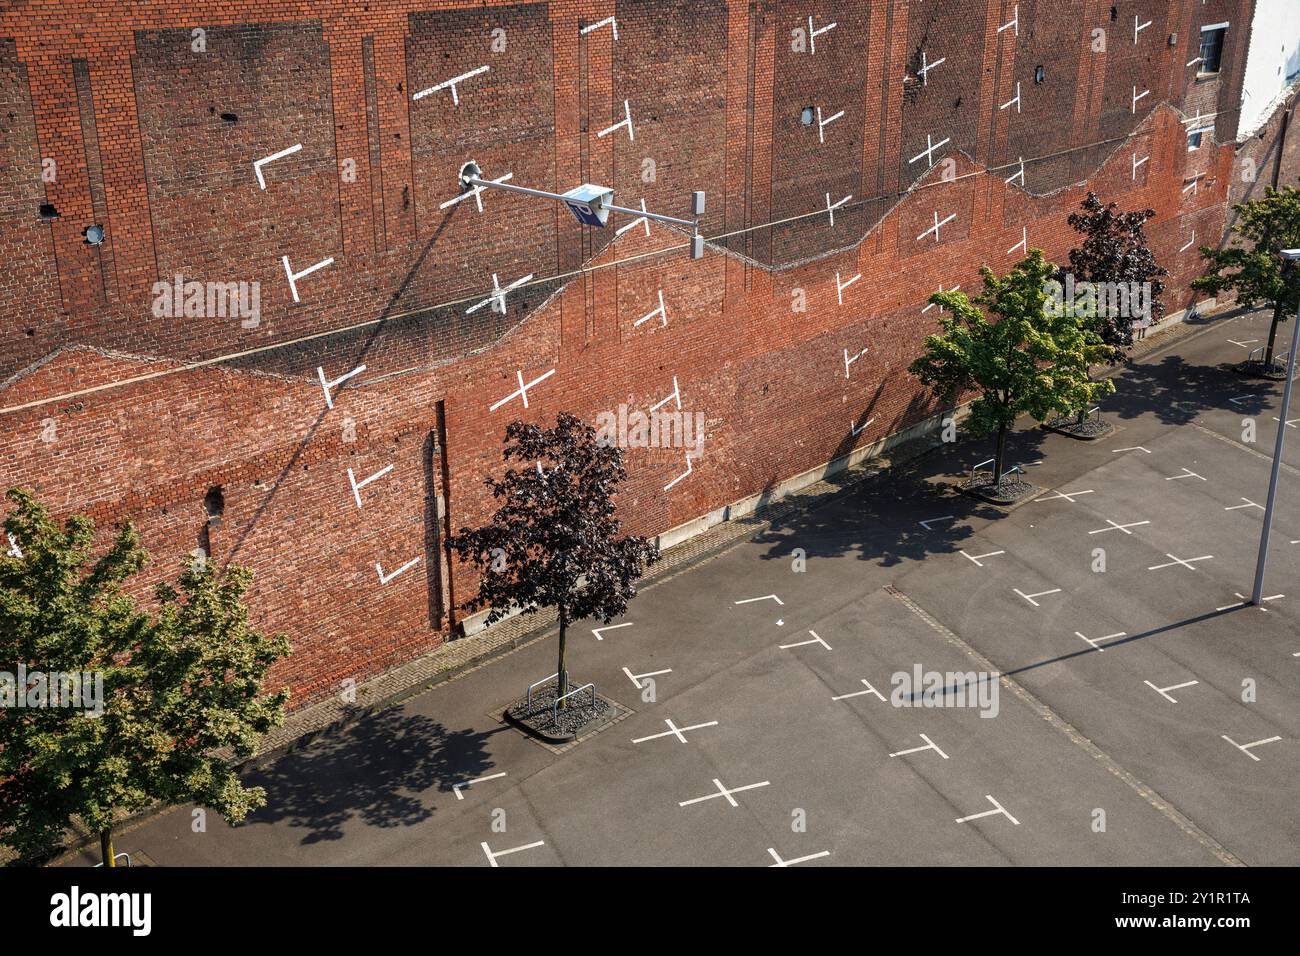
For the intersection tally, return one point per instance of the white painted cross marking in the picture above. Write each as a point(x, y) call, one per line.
point(1013, 23)
point(929, 745)
point(493, 856)
point(841, 286)
point(498, 297)
point(1248, 504)
point(859, 693)
point(814, 34)
point(456, 788)
point(326, 386)
point(724, 793)
point(1245, 748)
point(257, 166)
point(936, 227)
point(1164, 691)
point(385, 579)
point(522, 391)
point(802, 859)
point(452, 84)
point(357, 486)
point(1014, 101)
point(975, 558)
point(613, 22)
point(675, 731)
point(1023, 244)
point(599, 631)
point(823, 123)
point(1018, 174)
point(1138, 28)
point(927, 66)
point(849, 361)
point(1243, 602)
point(1030, 597)
point(634, 223)
point(637, 678)
point(830, 208)
point(928, 521)
point(295, 276)
point(1136, 97)
point(626, 121)
point(1119, 527)
point(816, 640)
point(1096, 643)
point(859, 429)
point(662, 312)
point(1186, 564)
point(674, 396)
point(1290, 422)
point(932, 305)
point(998, 808)
point(475, 193)
point(928, 152)
point(1067, 495)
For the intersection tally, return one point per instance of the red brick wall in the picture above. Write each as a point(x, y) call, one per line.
point(755, 334)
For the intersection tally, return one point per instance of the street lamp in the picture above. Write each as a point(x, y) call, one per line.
point(591, 204)
point(1257, 596)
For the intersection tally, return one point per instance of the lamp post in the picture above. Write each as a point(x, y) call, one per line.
point(591, 205)
point(1257, 596)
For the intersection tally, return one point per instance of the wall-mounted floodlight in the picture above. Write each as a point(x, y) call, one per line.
point(1289, 257)
point(591, 204)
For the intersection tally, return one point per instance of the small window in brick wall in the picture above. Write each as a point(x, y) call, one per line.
point(806, 117)
point(214, 503)
point(1212, 47)
point(1040, 74)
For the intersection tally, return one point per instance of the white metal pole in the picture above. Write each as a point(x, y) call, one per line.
point(1257, 595)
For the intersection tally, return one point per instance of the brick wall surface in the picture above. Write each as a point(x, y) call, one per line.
point(152, 117)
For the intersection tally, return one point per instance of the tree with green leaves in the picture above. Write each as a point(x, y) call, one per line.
point(554, 541)
point(1251, 265)
point(1033, 356)
point(176, 685)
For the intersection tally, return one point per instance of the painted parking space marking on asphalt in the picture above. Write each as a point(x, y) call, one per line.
point(1164, 691)
point(1096, 644)
point(1248, 504)
point(1067, 495)
point(724, 793)
point(929, 745)
point(637, 678)
point(765, 597)
point(929, 521)
point(1187, 473)
point(675, 731)
point(816, 639)
point(997, 808)
point(1245, 748)
point(494, 855)
point(1030, 597)
point(1244, 602)
point(1119, 527)
point(456, 788)
point(799, 859)
point(1187, 563)
point(975, 558)
point(600, 631)
point(869, 690)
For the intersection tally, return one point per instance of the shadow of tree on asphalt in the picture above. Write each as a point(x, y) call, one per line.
point(1176, 392)
point(375, 771)
point(879, 519)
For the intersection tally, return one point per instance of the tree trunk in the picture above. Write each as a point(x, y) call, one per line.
point(1272, 334)
point(999, 455)
point(106, 847)
point(562, 681)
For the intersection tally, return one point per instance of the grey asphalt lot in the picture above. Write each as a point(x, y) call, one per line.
point(1079, 734)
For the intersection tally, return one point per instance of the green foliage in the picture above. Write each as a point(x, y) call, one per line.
point(1251, 266)
point(177, 685)
point(1030, 357)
